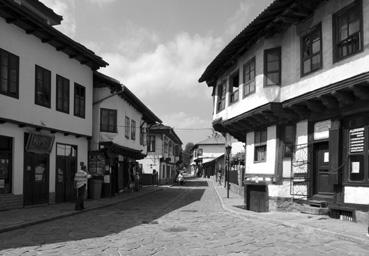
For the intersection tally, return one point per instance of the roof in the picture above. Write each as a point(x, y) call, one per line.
point(276, 18)
point(32, 24)
point(56, 18)
point(214, 140)
point(164, 129)
point(101, 80)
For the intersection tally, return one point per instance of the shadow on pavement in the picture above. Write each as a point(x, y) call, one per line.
point(107, 221)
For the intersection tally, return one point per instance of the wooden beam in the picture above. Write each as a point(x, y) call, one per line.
point(301, 110)
point(46, 40)
point(315, 106)
point(72, 56)
point(31, 31)
point(329, 101)
point(11, 20)
point(362, 92)
point(344, 98)
point(289, 114)
point(61, 48)
point(21, 125)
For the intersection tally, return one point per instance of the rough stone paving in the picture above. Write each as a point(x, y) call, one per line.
point(186, 220)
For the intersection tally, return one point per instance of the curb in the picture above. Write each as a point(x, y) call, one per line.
point(247, 216)
point(31, 223)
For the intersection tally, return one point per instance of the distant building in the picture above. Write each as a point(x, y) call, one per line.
point(163, 152)
point(46, 87)
point(293, 85)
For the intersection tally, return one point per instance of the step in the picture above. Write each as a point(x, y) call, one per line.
point(318, 203)
point(314, 210)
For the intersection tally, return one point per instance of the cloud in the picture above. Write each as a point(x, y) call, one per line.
point(184, 120)
point(100, 2)
point(67, 9)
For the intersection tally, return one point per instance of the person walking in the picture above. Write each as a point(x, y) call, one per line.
point(80, 181)
point(155, 178)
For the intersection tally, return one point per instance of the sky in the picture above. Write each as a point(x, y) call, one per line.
point(160, 48)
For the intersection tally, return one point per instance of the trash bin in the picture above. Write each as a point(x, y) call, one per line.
point(94, 188)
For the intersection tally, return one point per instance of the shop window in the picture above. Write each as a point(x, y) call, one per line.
point(79, 100)
point(5, 165)
point(234, 82)
point(249, 75)
point(127, 126)
point(151, 144)
point(43, 87)
point(62, 94)
point(133, 129)
point(108, 120)
point(311, 51)
point(289, 137)
point(9, 74)
point(272, 66)
point(221, 96)
point(348, 31)
point(260, 143)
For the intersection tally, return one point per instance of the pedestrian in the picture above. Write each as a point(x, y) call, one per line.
point(154, 177)
point(80, 181)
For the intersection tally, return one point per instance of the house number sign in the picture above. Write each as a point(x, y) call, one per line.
point(357, 137)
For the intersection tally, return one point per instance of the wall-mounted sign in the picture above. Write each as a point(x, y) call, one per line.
point(357, 137)
point(355, 167)
point(321, 130)
point(96, 163)
point(326, 157)
point(39, 143)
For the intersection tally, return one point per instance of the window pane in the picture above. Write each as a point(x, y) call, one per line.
point(273, 79)
point(356, 167)
point(263, 136)
point(316, 62)
point(343, 32)
point(273, 66)
point(316, 46)
point(273, 56)
point(252, 86)
point(307, 66)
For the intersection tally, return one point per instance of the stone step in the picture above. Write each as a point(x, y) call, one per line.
point(314, 210)
point(318, 203)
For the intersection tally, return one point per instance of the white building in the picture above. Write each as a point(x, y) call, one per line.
point(293, 85)
point(120, 123)
point(45, 105)
point(163, 153)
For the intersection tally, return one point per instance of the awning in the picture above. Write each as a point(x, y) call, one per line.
point(121, 150)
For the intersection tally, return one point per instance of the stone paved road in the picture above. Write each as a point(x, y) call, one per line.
point(177, 221)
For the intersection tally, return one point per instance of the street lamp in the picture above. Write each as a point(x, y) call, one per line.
point(228, 163)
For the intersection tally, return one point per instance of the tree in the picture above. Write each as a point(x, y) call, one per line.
point(187, 153)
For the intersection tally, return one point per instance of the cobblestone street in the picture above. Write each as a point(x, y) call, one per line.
point(186, 220)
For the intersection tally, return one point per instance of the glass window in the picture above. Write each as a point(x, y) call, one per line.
point(347, 29)
point(234, 82)
point(9, 74)
point(79, 100)
point(311, 46)
point(108, 120)
point(272, 67)
point(289, 137)
point(62, 94)
point(151, 144)
point(260, 143)
point(133, 129)
point(221, 96)
point(127, 126)
point(43, 87)
point(249, 77)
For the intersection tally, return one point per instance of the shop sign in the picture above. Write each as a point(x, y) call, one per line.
point(321, 130)
point(39, 143)
point(357, 137)
point(96, 163)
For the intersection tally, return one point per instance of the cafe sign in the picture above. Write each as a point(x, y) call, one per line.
point(321, 130)
point(39, 143)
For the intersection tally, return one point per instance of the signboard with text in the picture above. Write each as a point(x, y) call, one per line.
point(357, 138)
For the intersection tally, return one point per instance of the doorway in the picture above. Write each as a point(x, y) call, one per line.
point(66, 167)
point(257, 198)
point(322, 188)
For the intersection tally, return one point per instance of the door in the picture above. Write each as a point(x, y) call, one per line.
point(322, 185)
point(257, 198)
point(36, 178)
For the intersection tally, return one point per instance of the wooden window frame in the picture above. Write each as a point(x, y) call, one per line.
point(234, 94)
point(317, 29)
point(221, 97)
point(65, 84)
point(111, 126)
point(45, 84)
point(288, 144)
point(266, 72)
point(11, 57)
point(127, 127)
point(79, 101)
point(356, 6)
point(260, 144)
point(152, 143)
point(133, 129)
point(247, 70)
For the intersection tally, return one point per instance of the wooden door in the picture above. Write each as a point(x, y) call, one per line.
point(322, 185)
point(36, 178)
point(257, 198)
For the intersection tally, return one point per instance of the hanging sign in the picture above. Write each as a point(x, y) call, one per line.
point(39, 143)
point(96, 163)
point(357, 137)
point(321, 130)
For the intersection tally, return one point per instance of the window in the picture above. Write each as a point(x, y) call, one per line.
point(260, 141)
point(199, 152)
point(249, 77)
point(289, 137)
point(151, 144)
point(234, 82)
point(170, 150)
point(348, 31)
point(6, 168)
point(311, 51)
point(62, 94)
point(133, 129)
point(79, 100)
point(165, 145)
point(9, 74)
point(221, 96)
point(108, 120)
point(272, 66)
point(43, 87)
point(127, 125)
point(142, 136)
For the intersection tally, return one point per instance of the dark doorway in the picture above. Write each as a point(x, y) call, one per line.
point(6, 156)
point(257, 198)
point(66, 167)
point(322, 186)
point(36, 178)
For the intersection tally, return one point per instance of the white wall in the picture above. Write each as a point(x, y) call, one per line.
point(32, 51)
point(267, 167)
point(356, 195)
